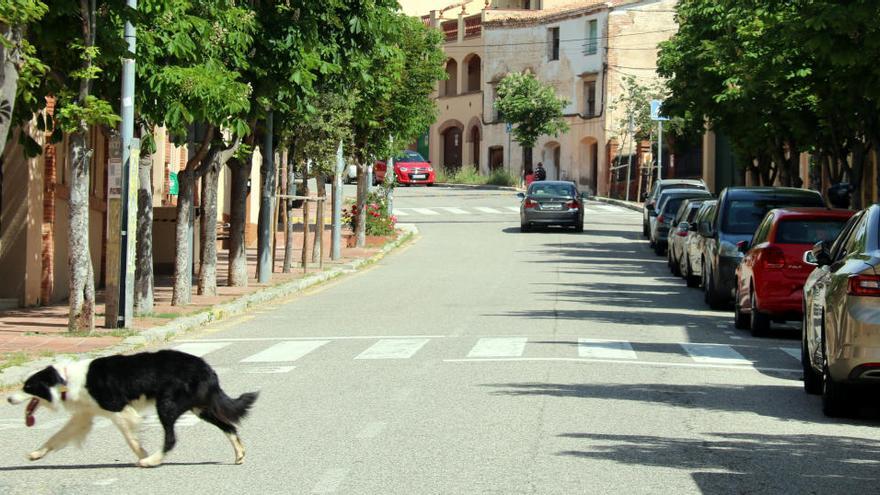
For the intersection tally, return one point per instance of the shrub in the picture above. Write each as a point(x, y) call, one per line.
point(380, 221)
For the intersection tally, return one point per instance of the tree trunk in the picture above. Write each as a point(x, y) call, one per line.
point(82, 277)
point(182, 293)
point(143, 277)
point(318, 244)
point(361, 223)
point(241, 172)
point(288, 215)
point(305, 208)
point(208, 225)
point(9, 63)
point(859, 155)
point(265, 253)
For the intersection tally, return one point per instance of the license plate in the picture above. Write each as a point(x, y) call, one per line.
point(553, 206)
point(419, 176)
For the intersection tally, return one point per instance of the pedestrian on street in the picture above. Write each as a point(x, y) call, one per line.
point(540, 173)
point(528, 175)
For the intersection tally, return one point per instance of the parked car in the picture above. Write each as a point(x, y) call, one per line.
point(739, 211)
point(667, 205)
point(692, 266)
point(650, 198)
point(681, 225)
point(770, 279)
point(552, 203)
point(840, 342)
point(409, 168)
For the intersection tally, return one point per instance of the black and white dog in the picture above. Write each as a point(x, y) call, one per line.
point(118, 387)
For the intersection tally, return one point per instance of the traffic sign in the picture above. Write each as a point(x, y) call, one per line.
point(655, 110)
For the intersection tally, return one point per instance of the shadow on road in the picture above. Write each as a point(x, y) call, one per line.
point(748, 463)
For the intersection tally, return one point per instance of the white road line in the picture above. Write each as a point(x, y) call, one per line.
point(268, 370)
point(454, 211)
point(285, 351)
point(513, 208)
point(631, 362)
point(330, 480)
point(424, 211)
point(794, 352)
point(714, 354)
point(605, 349)
point(486, 209)
point(400, 213)
point(609, 208)
point(393, 349)
point(499, 347)
point(201, 348)
point(337, 337)
point(372, 430)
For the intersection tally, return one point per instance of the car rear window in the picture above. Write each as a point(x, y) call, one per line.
point(744, 215)
point(547, 190)
point(808, 231)
point(673, 204)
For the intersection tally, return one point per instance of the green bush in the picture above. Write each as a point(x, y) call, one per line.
point(380, 221)
point(470, 175)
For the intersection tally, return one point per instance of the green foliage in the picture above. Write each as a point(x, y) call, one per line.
point(316, 134)
point(635, 101)
point(532, 108)
point(470, 175)
point(21, 13)
point(93, 111)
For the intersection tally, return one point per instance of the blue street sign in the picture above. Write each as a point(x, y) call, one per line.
point(655, 110)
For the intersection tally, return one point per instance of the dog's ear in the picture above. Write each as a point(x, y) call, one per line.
point(40, 383)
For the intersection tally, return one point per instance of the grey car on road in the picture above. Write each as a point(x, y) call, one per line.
point(552, 203)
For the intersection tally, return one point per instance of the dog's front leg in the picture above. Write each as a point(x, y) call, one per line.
point(127, 421)
point(75, 429)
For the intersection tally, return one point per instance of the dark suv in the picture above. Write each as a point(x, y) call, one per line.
point(739, 211)
point(650, 198)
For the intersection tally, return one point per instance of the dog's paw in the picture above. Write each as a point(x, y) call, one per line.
point(150, 461)
point(38, 454)
point(239, 459)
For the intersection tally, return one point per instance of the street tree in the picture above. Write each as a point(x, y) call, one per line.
point(530, 107)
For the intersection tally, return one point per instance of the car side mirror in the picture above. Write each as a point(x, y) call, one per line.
point(521, 195)
point(742, 246)
point(822, 253)
point(810, 258)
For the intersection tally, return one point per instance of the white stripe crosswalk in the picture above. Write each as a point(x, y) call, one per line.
point(454, 211)
point(592, 208)
point(278, 356)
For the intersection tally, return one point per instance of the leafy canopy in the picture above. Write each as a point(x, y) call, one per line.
point(531, 107)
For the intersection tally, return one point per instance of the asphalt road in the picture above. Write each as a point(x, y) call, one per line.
point(481, 360)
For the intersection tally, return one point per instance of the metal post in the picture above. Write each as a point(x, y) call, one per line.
point(336, 215)
point(630, 158)
point(660, 151)
point(126, 283)
point(390, 177)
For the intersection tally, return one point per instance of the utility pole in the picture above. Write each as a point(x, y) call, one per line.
point(660, 151)
point(336, 216)
point(629, 160)
point(390, 177)
point(122, 205)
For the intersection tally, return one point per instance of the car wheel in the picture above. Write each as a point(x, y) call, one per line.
point(692, 280)
point(430, 184)
point(812, 380)
point(711, 298)
point(759, 321)
point(834, 395)
point(673, 264)
point(578, 226)
point(658, 249)
point(740, 320)
point(524, 227)
point(645, 232)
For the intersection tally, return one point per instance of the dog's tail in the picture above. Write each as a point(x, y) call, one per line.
point(233, 410)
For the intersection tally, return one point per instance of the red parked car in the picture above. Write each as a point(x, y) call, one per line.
point(409, 168)
point(770, 279)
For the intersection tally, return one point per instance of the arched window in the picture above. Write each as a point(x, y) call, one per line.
point(474, 74)
point(450, 85)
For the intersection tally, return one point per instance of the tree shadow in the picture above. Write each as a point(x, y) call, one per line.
point(746, 462)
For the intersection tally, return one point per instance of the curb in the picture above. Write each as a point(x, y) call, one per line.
point(14, 375)
point(618, 202)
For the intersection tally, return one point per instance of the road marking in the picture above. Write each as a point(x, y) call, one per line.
point(337, 337)
point(285, 351)
point(330, 480)
point(105, 482)
point(631, 362)
point(201, 348)
point(713, 353)
point(499, 347)
point(268, 370)
point(794, 352)
point(393, 349)
point(486, 209)
point(400, 213)
point(605, 349)
point(513, 208)
point(424, 211)
point(606, 207)
point(454, 211)
point(372, 430)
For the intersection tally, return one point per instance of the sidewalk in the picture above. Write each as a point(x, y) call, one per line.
point(632, 205)
point(30, 333)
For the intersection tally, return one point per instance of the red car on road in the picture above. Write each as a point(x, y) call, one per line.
point(409, 168)
point(770, 279)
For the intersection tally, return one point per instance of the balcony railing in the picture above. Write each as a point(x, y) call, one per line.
point(450, 30)
point(473, 26)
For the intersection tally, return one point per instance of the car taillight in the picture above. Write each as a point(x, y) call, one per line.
point(530, 204)
point(864, 285)
point(682, 233)
point(773, 258)
point(660, 219)
point(572, 204)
